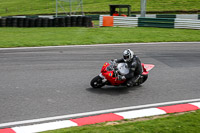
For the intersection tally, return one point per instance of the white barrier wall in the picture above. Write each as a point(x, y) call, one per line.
point(125, 21)
point(187, 16)
point(119, 21)
point(187, 23)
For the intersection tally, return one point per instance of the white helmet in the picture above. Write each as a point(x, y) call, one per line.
point(128, 55)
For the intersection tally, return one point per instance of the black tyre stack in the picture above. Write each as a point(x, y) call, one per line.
point(45, 22)
point(32, 22)
point(69, 21)
point(80, 21)
point(87, 21)
point(61, 22)
point(73, 21)
point(56, 22)
point(8, 22)
point(50, 23)
point(38, 22)
point(3, 22)
point(14, 22)
point(21, 22)
point(26, 22)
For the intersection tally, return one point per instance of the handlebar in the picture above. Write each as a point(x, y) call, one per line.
point(114, 66)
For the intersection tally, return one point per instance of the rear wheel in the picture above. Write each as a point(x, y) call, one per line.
point(143, 79)
point(96, 82)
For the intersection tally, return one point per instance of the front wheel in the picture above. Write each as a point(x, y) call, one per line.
point(96, 82)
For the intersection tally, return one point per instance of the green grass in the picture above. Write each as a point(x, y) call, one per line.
point(28, 37)
point(186, 123)
point(31, 7)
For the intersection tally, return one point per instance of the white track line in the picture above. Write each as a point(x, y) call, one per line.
point(97, 45)
point(44, 127)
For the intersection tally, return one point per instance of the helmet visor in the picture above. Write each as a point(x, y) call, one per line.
point(126, 57)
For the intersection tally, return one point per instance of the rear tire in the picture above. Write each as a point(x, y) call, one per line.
point(96, 82)
point(143, 79)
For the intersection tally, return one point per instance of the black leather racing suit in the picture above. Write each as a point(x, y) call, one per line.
point(135, 70)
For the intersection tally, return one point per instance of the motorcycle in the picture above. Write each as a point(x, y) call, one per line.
point(111, 71)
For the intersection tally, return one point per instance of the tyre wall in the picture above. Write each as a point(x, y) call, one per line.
point(69, 21)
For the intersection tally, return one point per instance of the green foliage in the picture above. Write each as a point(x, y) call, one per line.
point(28, 37)
point(31, 7)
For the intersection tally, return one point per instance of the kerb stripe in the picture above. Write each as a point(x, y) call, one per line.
point(196, 104)
point(178, 108)
point(97, 119)
point(141, 113)
point(7, 130)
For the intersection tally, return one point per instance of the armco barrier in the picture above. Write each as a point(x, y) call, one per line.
point(125, 21)
point(117, 21)
point(94, 17)
point(187, 24)
point(156, 22)
point(183, 16)
point(165, 16)
point(187, 16)
point(23, 21)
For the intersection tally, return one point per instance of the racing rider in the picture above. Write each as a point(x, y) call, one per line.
point(134, 65)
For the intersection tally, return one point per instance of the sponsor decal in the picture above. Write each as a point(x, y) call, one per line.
point(110, 74)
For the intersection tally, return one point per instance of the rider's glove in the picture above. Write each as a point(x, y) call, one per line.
point(120, 77)
point(114, 63)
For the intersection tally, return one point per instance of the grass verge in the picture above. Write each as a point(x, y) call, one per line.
point(29, 37)
point(186, 123)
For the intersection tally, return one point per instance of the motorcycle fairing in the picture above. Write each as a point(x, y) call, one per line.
point(147, 68)
point(105, 65)
point(109, 75)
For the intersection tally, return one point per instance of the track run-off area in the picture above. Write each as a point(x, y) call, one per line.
point(46, 82)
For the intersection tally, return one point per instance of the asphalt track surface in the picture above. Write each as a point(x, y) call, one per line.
point(46, 82)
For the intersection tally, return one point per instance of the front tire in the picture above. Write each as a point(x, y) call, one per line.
point(96, 82)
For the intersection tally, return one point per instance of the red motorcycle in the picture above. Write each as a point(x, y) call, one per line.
point(111, 71)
